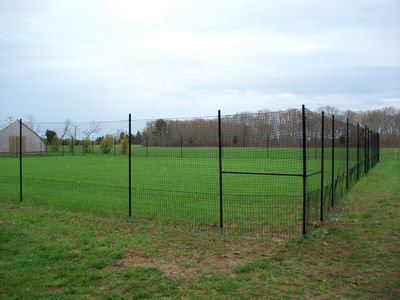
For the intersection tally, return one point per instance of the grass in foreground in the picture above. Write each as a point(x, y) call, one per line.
point(49, 253)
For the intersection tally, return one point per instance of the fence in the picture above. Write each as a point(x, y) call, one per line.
point(273, 173)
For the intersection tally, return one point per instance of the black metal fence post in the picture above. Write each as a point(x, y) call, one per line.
point(375, 146)
point(221, 215)
point(347, 154)
point(367, 160)
point(333, 163)
point(20, 160)
point(368, 134)
point(371, 158)
point(372, 149)
point(321, 215)
point(365, 150)
point(130, 172)
point(304, 229)
point(358, 151)
point(369, 149)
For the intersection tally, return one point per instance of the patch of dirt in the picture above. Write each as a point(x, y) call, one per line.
point(13, 209)
point(190, 259)
point(177, 265)
point(315, 224)
point(134, 259)
point(55, 289)
point(74, 250)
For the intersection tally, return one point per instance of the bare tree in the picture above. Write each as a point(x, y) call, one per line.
point(94, 127)
point(73, 132)
point(329, 110)
point(385, 121)
point(66, 128)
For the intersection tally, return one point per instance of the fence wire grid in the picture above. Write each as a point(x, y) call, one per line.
point(263, 174)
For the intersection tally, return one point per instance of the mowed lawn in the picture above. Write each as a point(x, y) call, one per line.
point(174, 185)
point(52, 253)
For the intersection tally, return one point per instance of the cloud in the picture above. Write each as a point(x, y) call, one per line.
point(98, 59)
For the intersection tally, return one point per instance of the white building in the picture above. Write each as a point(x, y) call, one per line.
point(10, 139)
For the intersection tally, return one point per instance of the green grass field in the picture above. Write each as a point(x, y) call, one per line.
point(52, 253)
point(174, 185)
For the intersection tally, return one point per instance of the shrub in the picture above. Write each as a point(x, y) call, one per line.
point(71, 145)
point(55, 143)
point(124, 145)
point(86, 146)
point(106, 143)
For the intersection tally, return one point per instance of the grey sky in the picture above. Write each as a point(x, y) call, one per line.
point(92, 59)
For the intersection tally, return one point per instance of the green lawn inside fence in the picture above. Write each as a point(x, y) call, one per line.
point(175, 185)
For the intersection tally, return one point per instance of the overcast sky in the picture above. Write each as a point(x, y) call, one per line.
point(101, 59)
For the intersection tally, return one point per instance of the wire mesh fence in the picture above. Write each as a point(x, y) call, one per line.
point(175, 171)
point(263, 174)
point(260, 153)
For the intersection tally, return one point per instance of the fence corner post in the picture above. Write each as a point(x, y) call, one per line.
point(347, 153)
point(358, 151)
point(365, 150)
point(303, 118)
point(20, 160)
point(221, 215)
point(321, 215)
point(130, 173)
point(333, 163)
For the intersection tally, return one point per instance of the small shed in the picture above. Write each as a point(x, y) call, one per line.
point(10, 139)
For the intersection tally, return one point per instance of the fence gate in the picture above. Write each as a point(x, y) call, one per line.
point(261, 173)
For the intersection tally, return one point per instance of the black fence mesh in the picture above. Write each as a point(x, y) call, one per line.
point(339, 171)
point(260, 152)
point(313, 129)
point(175, 171)
point(263, 174)
point(352, 152)
point(79, 165)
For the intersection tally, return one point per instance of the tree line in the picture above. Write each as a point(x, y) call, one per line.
point(385, 121)
point(277, 129)
point(261, 129)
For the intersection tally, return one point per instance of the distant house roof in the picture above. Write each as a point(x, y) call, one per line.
point(17, 122)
